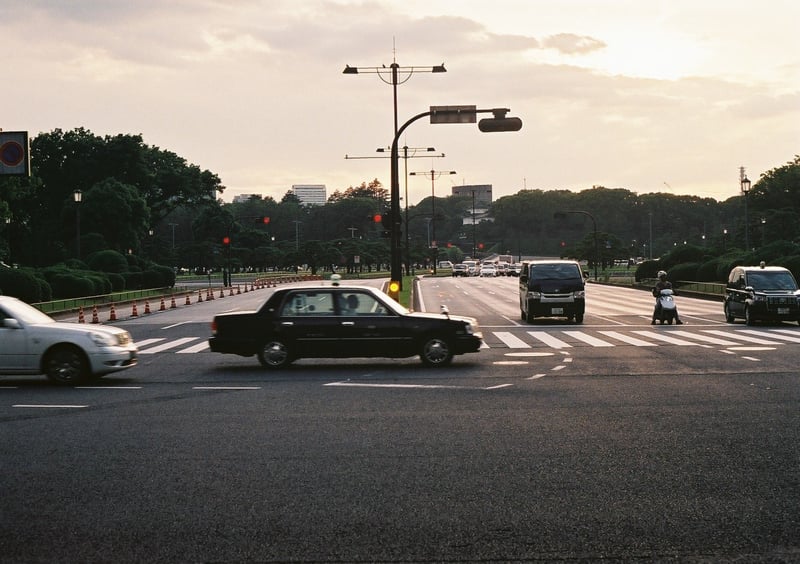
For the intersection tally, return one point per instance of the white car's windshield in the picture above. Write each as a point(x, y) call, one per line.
point(25, 313)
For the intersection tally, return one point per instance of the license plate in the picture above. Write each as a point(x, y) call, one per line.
point(557, 310)
point(783, 311)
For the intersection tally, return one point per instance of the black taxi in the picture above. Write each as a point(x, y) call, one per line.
point(761, 293)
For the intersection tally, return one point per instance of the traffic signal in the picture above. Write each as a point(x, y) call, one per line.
point(386, 222)
point(265, 220)
point(496, 124)
point(226, 240)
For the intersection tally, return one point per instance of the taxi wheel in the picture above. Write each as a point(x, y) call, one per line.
point(436, 352)
point(66, 365)
point(274, 354)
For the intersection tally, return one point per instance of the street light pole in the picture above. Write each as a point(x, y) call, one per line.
point(439, 114)
point(77, 195)
point(745, 186)
point(433, 175)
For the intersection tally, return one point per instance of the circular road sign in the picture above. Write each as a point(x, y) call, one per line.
point(11, 153)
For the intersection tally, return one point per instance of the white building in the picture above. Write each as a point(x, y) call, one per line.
point(310, 194)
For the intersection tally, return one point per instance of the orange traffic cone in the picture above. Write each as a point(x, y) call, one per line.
point(188, 301)
point(199, 296)
point(222, 292)
point(134, 311)
point(147, 306)
point(230, 292)
point(112, 314)
point(95, 319)
point(162, 307)
point(239, 289)
point(81, 319)
point(172, 304)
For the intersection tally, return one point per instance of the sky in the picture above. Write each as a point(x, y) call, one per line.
point(669, 96)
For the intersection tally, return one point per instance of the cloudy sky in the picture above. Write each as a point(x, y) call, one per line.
point(649, 95)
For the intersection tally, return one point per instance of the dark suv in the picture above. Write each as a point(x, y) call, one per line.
point(756, 293)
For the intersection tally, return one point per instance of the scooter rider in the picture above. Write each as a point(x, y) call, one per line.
point(662, 284)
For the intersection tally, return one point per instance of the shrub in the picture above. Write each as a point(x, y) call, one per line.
point(117, 281)
point(108, 261)
point(22, 284)
point(684, 271)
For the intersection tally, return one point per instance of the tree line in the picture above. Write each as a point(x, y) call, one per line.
point(149, 203)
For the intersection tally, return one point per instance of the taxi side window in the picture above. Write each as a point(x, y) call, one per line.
point(357, 303)
point(308, 303)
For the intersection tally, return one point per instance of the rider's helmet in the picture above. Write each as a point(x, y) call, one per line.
point(662, 273)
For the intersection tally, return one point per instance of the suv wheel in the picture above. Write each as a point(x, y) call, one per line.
point(748, 318)
point(728, 315)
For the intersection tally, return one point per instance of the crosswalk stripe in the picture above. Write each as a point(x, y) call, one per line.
point(194, 348)
point(774, 335)
point(147, 342)
point(666, 338)
point(749, 339)
point(549, 340)
point(628, 339)
point(168, 345)
point(588, 339)
point(511, 340)
point(708, 339)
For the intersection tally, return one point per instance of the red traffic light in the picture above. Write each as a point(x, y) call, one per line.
point(226, 240)
point(266, 219)
point(377, 218)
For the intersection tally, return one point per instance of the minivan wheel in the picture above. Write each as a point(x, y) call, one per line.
point(748, 318)
point(728, 316)
point(578, 318)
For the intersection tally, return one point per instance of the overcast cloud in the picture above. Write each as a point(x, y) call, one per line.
point(649, 96)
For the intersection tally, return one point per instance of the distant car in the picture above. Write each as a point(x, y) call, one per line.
point(514, 269)
point(460, 270)
point(32, 342)
point(341, 322)
point(761, 293)
point(488, 270)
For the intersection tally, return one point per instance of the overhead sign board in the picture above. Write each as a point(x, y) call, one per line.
point(453, 114)
point(15, 156)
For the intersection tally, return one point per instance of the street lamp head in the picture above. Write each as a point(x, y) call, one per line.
point(77, 195)
point(745, 185)
point(350, 70)
point(439, 68)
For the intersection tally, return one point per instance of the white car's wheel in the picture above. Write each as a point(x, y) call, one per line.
point(66, 364)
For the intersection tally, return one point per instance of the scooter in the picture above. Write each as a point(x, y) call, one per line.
point(667, 310)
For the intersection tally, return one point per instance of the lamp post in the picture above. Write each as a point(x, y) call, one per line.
point(559, 215)
point(745, 185)
point(413, 155)
point(724, 240)
point(433, 175)
point(77, 196)
point(438, 114)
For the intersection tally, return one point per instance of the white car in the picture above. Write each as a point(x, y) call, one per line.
point(488, 270)
point(32, 342)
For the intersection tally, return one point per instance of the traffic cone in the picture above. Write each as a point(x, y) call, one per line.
point(245, 287)
point(95, 319)
point(172, 304)
point(134, 311)
point(222, 292)
point(147, 306)
point(162, 307)
point(112, 314)
point(81, 318)
point(230, 292)
point(188, 301)
point(199, 296)
point(239, 289)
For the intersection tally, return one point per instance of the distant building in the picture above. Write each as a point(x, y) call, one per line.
point(310, 194)
point(242, 198)
point(482, 192)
